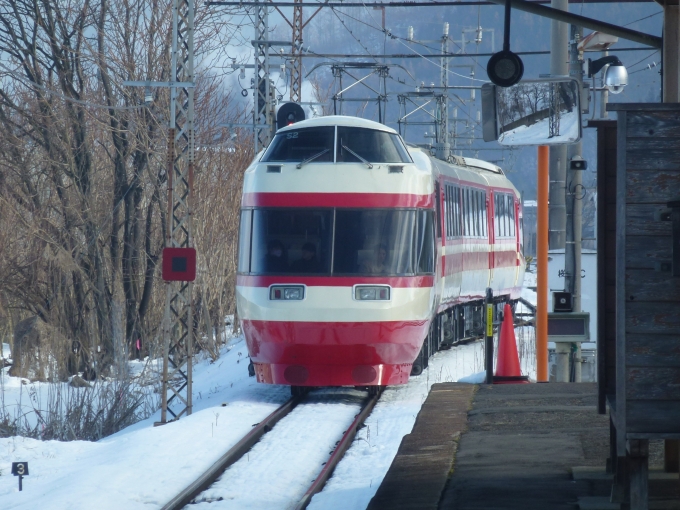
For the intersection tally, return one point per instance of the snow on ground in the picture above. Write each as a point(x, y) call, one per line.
point(285, 472)
point(144, 466)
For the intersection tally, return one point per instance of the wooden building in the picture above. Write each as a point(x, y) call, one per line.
point(639, 279)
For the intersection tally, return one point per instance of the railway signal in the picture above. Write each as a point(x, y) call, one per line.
point(289, 113)
point(179, 264)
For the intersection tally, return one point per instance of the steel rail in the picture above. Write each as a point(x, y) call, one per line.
point(338, 453)
point(235, 453)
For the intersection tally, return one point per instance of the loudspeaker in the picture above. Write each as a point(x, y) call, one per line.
point(562, 302)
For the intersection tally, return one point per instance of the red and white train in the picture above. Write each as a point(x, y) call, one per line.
point(360, 256)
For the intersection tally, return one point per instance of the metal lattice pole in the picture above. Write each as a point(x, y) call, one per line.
point(443, 132)
point(296, 50)
point(263, 113)
point(178, 320)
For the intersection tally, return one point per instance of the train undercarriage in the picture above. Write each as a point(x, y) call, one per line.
point(458, 325)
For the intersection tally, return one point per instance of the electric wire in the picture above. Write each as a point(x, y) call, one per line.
point(642, 60)
point(401, 40)
point(646, 17)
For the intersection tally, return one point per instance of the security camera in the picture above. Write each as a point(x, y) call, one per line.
point(615, 76)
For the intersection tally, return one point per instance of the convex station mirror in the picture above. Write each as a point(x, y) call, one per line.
point(533, 112)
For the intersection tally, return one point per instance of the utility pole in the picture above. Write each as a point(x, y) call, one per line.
point(440, 115)
point(557, 220)
point(296, 50)
point(443, 146)
point(179, 311)
point(574, 212)
point(558, 153)
point(263, 108)
point(178, 320)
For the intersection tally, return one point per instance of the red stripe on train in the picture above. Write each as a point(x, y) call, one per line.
point(476, 261)
point(336, 200)
point(334, 343)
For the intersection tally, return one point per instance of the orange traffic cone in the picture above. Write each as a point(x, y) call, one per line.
point(507, 364)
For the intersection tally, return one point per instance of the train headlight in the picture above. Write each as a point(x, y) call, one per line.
point(286, 292)
point(372, 293)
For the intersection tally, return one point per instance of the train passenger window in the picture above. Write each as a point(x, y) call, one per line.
point(504, 217)
point(291, 241)
point(453, 211)
point(496, 216)
point(370, 144)
point(462, 212)
point(468, 213)
point(480, 211)
point(485, 218)
point(477, 231)
point(457, 212)
point(511, 216)
point(521, 232)
point(298, 145)
point(449, 210)
point(374, 242)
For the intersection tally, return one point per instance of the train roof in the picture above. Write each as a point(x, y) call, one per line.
point(477, 163)
point(338, 120)
point(460, 160)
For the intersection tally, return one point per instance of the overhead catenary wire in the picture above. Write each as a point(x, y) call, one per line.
point(642, 60)
point(401, 40)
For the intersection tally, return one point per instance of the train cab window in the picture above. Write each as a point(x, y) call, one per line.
point(291, 241)
point(244, 241)
point(296, 145)
point(424, 243)
point(370, 144)
point(374, 242)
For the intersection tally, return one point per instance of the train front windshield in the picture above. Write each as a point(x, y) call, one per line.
point(351, 145)
point(338, 242)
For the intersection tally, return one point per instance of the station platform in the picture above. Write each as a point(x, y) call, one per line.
point(514, 446)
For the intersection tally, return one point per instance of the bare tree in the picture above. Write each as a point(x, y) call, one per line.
point(82, 168)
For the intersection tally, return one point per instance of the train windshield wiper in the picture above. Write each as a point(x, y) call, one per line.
point(357, 156)
point(311, 158)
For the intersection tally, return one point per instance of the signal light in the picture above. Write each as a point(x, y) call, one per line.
point(289, 113)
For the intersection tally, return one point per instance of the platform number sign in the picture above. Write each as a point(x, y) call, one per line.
point(20, 469)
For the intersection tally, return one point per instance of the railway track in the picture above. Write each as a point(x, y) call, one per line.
point(204, 489)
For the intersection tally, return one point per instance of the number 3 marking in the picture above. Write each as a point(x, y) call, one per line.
point(20, 469)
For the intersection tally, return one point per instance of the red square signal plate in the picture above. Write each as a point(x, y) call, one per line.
point(179, 264)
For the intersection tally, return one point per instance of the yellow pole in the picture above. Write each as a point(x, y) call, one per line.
point(542, 267)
